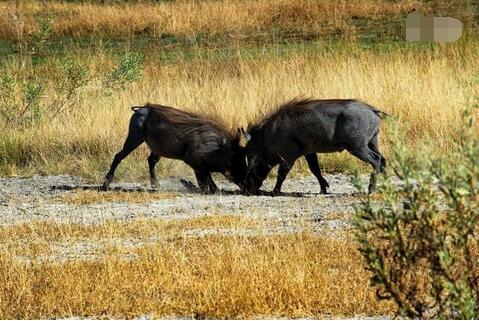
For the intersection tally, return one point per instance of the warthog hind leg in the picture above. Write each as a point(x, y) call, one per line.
point(152, 161)
point(134, 139)
point(371, 157)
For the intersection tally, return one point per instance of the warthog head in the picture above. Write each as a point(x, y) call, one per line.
point(257, 168)
point(236, 163)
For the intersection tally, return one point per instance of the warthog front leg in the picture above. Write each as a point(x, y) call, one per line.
point(283, 170)
point(313, 164)
point(205, 182)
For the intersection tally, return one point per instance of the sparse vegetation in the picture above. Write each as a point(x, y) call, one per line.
point(421, 243)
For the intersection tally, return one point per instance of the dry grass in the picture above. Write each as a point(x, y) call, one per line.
point(424, 89)
point(90, 197)
point(45, 240)
point(233, 17)
point(293, 275)
point(139, 228)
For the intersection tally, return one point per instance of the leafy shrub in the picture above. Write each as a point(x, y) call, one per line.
point(127, 70)
point(420, 242)
point(44, 32)
point(22, 110)
point(74, 78)
point(21, 100)
point(7, 94)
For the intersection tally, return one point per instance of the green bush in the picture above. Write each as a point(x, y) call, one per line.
point(23, 110)
point(22, 87)
point(21, 100)
point(127, 70)
point(419, 234)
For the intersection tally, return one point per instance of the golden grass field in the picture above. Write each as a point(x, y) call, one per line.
point(210, 16)
point(298, 275)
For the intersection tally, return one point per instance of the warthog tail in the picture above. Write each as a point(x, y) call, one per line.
point(141, 110)
point(381, 114)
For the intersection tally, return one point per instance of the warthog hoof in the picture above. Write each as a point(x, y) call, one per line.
point(154, 183)
point(106, 183)
point(275, 193)
point(324, 186)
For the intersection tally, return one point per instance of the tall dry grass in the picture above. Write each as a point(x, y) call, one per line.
point(298, 275)
point(211, 16)
point(425, 89)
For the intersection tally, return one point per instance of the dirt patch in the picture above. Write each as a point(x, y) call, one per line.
point(39, 198)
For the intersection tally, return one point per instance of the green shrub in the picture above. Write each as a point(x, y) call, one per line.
point(21, 100)
point(420, 239)
point(19, 103)
point(127, 70)
point(74, 78)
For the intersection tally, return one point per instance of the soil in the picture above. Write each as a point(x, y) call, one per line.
point(37, 198)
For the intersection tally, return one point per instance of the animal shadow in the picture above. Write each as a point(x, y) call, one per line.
point(188, 185)
point(191, 187)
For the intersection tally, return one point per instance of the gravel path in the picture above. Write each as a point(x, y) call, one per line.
point(36, 198)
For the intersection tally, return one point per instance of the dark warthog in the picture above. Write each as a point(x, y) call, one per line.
point(200, 142)
point(306, 127)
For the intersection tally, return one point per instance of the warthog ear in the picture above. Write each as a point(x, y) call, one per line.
point(243, 136)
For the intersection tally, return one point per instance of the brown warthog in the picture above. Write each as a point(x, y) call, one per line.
point(306, 127)
point(200, 142)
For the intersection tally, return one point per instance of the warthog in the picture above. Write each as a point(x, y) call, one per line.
point(306, 127)
point(202, 143)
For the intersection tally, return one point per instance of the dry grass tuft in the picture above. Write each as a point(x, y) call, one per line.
point(139, 228)
point(91, 197)
point(52, 241)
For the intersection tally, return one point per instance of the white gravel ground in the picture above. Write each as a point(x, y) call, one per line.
point(36, 198)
